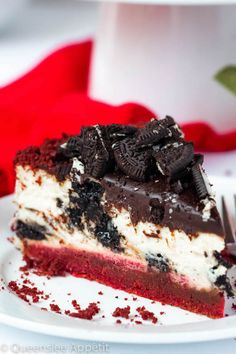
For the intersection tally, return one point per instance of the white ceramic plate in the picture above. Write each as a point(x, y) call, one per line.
point(173, 327)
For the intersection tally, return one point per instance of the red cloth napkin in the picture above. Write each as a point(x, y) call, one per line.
point(53, 98)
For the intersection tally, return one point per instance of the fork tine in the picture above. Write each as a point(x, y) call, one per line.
point(229, 234)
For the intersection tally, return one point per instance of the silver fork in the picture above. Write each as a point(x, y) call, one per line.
point(230, 239)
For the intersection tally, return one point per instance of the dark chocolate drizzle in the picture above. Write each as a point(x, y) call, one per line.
point(157, 201)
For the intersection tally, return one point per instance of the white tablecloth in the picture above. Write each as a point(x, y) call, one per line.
point(39, 28)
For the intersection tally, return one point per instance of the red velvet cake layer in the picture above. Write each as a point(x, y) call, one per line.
point(150, 284)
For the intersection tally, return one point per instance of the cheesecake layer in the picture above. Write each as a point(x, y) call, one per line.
point(46, 208)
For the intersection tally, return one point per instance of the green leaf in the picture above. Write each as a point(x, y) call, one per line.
point(227, 78)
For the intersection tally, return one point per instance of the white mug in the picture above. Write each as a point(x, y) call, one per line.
point(165, 57)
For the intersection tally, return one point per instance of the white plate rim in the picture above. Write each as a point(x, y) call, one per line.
point(226, 330)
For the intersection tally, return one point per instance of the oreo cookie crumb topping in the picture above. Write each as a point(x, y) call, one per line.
point(73, 147)
point(116, 132)
point(95, 155)
point(173, 158)
point(132, 162)
point(155, 131)
point(176, 132)
point(62, 170)
point(177, 187)
point(30, 231)
point(158, 261)
point(102, 149)
point(154, 152)
point(202, 185)
point(198, 159)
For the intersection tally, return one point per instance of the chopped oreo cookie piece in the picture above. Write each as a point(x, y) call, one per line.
point(86, 205)
point(135, 151)
point(198, 159)
point(132, 162)
point(107, 233)
point(62, 170)
point(173, 158)
point(223, 283)
point(116, 132)
point(154, 131)
point(201, 182)
point(177, 187)
point(176, 132)
point(95, 155)
point(71, 148)
point(31, 231)
point(222, 261)
point(158, 261)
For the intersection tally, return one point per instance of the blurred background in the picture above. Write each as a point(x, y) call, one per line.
point(165, 54)
point(31, 29)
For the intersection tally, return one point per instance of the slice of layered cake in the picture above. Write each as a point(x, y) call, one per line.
point(128, 207)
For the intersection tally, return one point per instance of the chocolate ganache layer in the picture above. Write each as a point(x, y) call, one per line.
point(160, 203)
point(152, 172)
